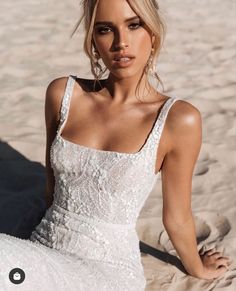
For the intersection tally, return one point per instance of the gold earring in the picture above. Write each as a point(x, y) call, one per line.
point(148, 66)
point(96, 67)
point(151, 56)
point(96, 54)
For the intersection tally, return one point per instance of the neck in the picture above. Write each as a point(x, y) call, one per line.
point(124, 91)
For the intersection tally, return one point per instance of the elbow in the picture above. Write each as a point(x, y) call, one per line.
point(168, 223)
point(173, 223)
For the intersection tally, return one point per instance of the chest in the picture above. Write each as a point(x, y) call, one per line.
point(101, 170)
point(114, 129)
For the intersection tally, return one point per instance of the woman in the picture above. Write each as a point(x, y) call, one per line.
point(104, 150)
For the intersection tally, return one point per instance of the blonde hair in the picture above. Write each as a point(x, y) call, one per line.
point(147, 10)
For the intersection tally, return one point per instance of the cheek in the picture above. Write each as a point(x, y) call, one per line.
point(104, 49)
point(103, 45)
point(142, 44)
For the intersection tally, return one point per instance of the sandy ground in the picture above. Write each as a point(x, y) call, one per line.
point(197, 64)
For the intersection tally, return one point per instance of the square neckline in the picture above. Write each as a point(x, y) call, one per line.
point(141, 149)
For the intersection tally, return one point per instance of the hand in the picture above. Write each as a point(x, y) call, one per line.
point(214, 264)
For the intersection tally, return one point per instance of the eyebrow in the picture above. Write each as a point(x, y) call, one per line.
point(111, 23)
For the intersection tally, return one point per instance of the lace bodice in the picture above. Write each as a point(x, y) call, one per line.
point(104, 185)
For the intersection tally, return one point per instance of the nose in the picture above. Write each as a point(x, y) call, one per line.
point(121, 46)
point(121, 40)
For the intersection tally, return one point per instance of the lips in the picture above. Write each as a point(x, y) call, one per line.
point(123, 57)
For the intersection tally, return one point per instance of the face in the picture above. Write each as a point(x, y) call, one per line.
point(117, 24)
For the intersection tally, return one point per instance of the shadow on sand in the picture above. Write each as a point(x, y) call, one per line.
point(22, 184)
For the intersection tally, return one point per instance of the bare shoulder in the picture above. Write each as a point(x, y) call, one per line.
point(183, 127)
point(183, 116)
point(54, 95)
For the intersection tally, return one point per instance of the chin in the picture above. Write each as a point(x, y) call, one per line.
point(121, 74)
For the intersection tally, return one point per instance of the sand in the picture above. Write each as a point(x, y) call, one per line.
point(197, 64)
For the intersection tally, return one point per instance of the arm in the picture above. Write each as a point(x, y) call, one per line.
point(184, 134)
point(53, 99)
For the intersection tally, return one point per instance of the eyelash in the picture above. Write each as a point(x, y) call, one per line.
point(137, 26)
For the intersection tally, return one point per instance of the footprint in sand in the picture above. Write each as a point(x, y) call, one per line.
point(210, 228)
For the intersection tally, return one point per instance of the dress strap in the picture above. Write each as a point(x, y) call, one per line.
point(155, 134)
point(65, 105)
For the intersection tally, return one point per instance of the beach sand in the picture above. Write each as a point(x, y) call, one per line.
point(197, 64)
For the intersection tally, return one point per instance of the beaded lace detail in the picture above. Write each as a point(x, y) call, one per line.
point(87, 237)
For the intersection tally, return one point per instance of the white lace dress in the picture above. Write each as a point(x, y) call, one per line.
point(87, 239)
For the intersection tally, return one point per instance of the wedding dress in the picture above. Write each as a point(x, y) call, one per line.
point(87, 239)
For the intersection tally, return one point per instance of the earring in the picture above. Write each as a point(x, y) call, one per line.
point(148, 66)
point(96, 67)
point(96, 54)
point(152, 52)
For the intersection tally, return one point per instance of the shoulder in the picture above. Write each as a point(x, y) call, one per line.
point(184, 126)
point(183, 116)
point(56, 86)
point(56, 89)
point(54, 94)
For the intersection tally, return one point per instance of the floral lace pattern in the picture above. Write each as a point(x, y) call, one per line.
point(87, 239)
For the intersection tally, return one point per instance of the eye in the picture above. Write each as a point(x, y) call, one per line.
point(135, 25)
point(103, 30)
point(106, 29)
